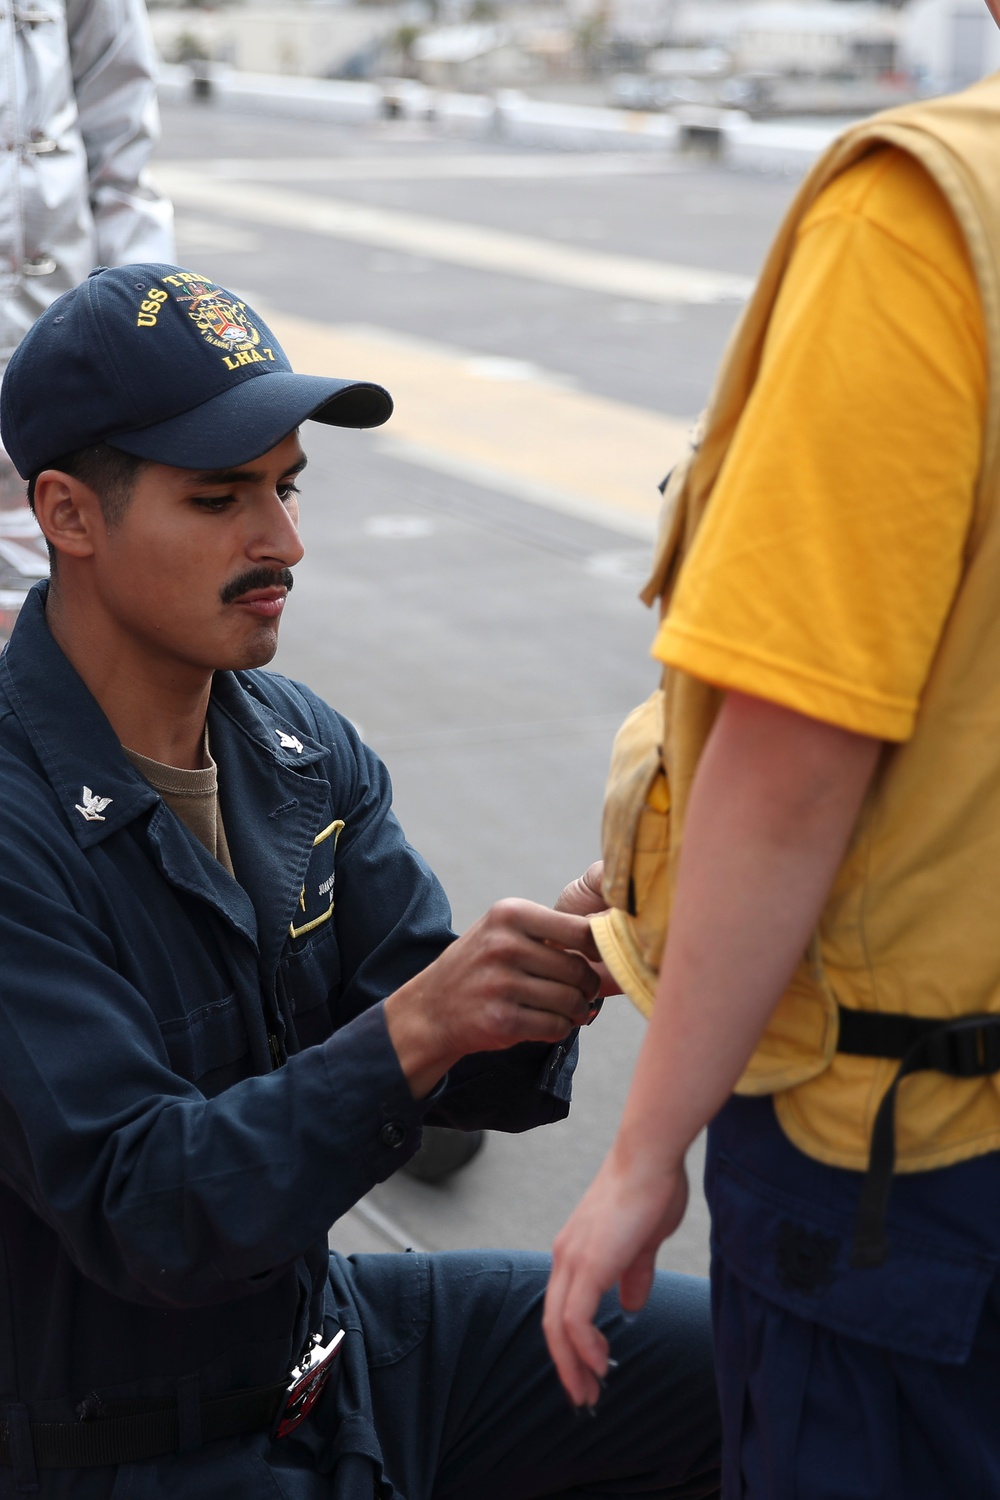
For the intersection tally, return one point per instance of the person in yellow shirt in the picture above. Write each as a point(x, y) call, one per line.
point(831, 552)
point(815, 598)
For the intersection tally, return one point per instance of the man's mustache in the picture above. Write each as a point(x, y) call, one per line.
point(256, 578)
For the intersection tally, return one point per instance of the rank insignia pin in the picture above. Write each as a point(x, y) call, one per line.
point(91, 809)
point(288, 741)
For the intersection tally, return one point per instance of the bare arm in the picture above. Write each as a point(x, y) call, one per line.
point(772, 807)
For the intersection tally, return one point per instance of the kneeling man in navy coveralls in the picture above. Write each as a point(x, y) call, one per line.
point(230, 996)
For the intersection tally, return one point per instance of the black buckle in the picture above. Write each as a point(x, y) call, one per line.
point(965, 1048)
point(306, 1382)
point(968, 1047)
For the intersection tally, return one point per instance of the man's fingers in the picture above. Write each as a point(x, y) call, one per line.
point(546, 1011)
point(589, 948)
point(534, 1023)
point(571, 969)
point(584, 895)
point(561, 928)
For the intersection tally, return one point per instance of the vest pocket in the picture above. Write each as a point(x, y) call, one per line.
point(635, 835)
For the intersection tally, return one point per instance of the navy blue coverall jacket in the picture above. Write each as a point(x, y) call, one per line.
point(196, 1079)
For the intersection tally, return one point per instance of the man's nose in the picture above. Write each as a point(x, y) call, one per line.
point(278, 537)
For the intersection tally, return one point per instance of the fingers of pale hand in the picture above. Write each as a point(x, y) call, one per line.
point(637, 1280)
point(580, 1371)
point(607, 983)
point(612, 1236)
point(579, 1348)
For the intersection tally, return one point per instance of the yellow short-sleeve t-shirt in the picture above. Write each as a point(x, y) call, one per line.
point(829, 555)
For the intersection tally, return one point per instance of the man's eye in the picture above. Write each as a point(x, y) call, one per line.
point(286, 491)
point(214, 503)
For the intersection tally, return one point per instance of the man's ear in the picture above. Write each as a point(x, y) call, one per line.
point(68, 512)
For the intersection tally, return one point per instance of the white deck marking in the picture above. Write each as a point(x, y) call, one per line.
point(536, 164)
point(469, 245)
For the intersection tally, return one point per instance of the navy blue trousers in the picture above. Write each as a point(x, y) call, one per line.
point(445, 1371)
point(475, 1412)
point(839, 1383)
point(812, 1415)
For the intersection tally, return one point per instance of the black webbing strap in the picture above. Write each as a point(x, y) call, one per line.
point(147, 1430)
point(968, 1047)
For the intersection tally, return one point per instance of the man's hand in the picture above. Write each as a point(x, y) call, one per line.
point(522, 973)
point(585, 897)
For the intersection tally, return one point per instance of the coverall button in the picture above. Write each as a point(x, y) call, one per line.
point(391, 1134)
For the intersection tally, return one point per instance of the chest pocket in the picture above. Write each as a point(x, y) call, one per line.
point(209, 1047)
point(310, 964)
point(316, 900)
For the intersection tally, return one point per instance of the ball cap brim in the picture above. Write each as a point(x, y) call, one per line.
point(166, 365)
point(248, 419)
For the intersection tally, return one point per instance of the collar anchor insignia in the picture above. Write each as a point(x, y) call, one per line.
point(91, 809)
point(289, 741)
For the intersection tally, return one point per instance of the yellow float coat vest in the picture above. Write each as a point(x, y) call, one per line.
point(912, 922)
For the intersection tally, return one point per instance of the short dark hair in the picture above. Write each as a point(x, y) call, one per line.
point(108, 471)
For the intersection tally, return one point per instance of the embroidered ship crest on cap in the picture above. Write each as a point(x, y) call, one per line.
point(217, 316)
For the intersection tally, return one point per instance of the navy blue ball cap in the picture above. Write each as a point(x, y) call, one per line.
point(167, 365)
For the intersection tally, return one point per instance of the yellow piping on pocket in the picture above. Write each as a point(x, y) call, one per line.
point(335, 828)
point(308, 926)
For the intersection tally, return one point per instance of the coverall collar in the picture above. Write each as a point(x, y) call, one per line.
point(82, 756)
point(80, 753)
point(274, 804)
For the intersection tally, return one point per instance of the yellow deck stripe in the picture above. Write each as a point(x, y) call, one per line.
point(542, 435)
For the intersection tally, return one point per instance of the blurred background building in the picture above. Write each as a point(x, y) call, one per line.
point(767, 57)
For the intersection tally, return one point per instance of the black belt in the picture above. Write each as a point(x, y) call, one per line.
point(968, 1047)
point(128, 1432)
point(147, 1429)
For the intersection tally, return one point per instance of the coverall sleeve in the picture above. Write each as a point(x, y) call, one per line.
point(159, 1194)
point(114, 67)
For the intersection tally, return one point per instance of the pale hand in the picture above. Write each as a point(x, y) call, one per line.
point(611, 1237)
